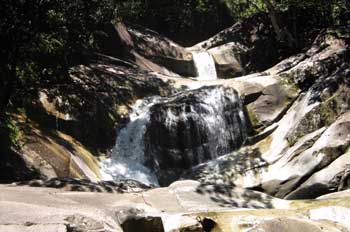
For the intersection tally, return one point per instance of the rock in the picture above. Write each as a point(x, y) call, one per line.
point(183, 206)
point(326, 55)
point(332, 213)
point(34, 228)
point(193, 127)
point(102, 211)
point(95, 94)
point(84, 185)
point(340, 194)
point(291, 225)
point(335, 177)
point(56, 154)
point(154, 52)
point(228, 169)
point(271, 104)
point(229, 59)
point(298, 110)
point(247, 46)
point(71, 123)
point(182, 223)
point(332, 143)
point(78, 223)
point(147, 224)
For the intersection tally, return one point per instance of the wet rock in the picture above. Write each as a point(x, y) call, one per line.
point(191, 128)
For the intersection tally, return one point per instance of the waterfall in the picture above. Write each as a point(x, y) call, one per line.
point(191, 128)
point(127, 157)
point(205, 66)
point(166, 136)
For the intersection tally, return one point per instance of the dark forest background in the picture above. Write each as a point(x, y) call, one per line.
point(41, 39)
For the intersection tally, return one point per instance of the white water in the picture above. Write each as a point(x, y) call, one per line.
point(205, 66)
point(127, 157)
point(211, 116)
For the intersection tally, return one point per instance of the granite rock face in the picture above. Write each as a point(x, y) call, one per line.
point(183, 206)
point(246, 47)
point(193, 127)
point(300, 151)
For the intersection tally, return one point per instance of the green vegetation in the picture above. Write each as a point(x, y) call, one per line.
point(41, 39)
point(10, 134)
point(198, 19)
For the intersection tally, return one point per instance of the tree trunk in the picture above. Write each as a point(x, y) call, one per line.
point(281, 33)
point(8, 88)
point(273, 18)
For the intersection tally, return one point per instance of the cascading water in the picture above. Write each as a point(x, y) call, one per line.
point(191, 128)
point(127, 157)
point(166, 136)
point(205, 66)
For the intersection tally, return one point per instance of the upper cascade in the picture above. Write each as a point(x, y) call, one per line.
point(205, 66)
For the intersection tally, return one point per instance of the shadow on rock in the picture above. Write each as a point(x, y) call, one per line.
point(82, 185)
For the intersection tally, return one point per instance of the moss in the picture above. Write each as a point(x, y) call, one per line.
point(286, 79)
point(11, 133)
point(254, 120)
point(322, 115)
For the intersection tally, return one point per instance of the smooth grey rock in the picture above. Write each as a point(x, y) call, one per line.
point(285, 174)
point(291, 225)
point(230, 59)
point(335, 177)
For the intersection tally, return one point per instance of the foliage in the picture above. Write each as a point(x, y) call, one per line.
point(39, 40)
point(198, 19)
point(181, 20)
point(10, 134)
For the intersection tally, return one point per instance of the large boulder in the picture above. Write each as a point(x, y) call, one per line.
point(247, 46)
point(193, 127)
point(154, 52)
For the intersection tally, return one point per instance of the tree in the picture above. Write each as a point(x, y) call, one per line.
point(281, 32)
point(40, 37)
